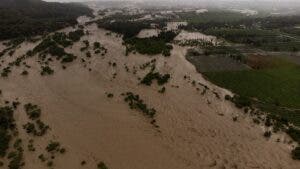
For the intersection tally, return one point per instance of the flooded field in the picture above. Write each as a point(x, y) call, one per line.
point(247, 12)
point(175, 25)
point(201, 10)
point(185, 35)
point(146, 33)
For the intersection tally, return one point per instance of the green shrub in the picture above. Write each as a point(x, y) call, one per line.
point(5, 71)
point(24, 73)
point(101, 165)
point(135, 102)
point(68, 58)
point(17, 161)
point(61, 39)
point(296, 153)
point(227, 97)
point(6, 123)
point(30, 128)
point(4, 142)
point(294, 134)
point(110, 95)
point(53, 147)
point(83, 162)
point(42, 157)
point(62, 150)
point(76, 35)
point(267, 134)
point(30, 18)
point(46, 70)
point(161, 79)
point(97, 45)
point(32, 111)
point(88, 54)
point(37, 129)
point(30, 146)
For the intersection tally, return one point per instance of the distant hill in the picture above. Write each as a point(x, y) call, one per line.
point(33, 17)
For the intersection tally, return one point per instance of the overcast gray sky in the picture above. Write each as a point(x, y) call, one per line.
point(277, 3)
point(182, 0)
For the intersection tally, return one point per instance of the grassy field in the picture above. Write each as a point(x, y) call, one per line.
point(276, 90)
point(278, 85)
point(212, 16)
point(270, 40)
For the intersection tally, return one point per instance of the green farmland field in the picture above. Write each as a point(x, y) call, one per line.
point(277, 89)
point(281, 84)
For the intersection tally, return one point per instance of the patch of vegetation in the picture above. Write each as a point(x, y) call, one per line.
point(161, 79)
point(24, 73)
point(36, 127)
point(32, 111)
point(263, 84)
point(267, 134)
point(8, 132)
point(272, 33)
point(97, 45)
point(5, 71)
point(16, 158)
point(195, 43)
point(265, 39)
point(126, 28)
point(241, 101)
point(294, 134)
point(76, 35)
point(110, 95)
point(51, 45)
point(83, 163)
point(29, 18)
point(129, 29)
point(53, 147)
point(212, 18)
point(46, 70)
point(152, 45)
point(296, 153)
point(7, 126)
point(225, 51)
point(135, 102)
point(62, 39)
point(101, 165)
point(260, 89)
point(30, 145)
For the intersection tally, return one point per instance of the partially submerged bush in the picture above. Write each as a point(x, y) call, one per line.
point(296, 153)
point(36, 127)
point(53, 146)
point(46, 70)
point(135, 102)
point(161, 79)
point(294, 134)
point(32, 111)
point(76, 35)
point(110, 95)
point(267, 134)
point(101, 165)
point(7, 124)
